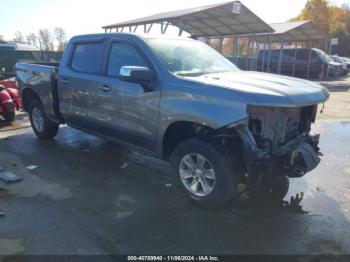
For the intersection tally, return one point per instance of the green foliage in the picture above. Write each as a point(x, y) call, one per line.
point(332, 20)
point(343, 48)
point(317, 11)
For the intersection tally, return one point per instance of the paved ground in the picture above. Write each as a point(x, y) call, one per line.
point(338, 106)
point(80, 201)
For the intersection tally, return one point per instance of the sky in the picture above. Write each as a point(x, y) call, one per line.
point(86, 16)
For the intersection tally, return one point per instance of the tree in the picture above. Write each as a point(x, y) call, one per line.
point(18, 37)
point(60, 36)
point(339, 17)
point(227, 47)
point(343, 48)
point(332, 20)
point(46, 39)
point(318, 12)
point(214, 43)
point(32, 39)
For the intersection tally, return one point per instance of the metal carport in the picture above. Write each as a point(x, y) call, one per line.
point(304, 33)
point(217, 20)
point(229, 20)
point(294, 32)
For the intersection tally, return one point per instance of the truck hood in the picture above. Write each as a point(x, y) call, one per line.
point(269, 89)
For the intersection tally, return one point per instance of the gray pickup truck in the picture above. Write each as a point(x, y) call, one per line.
point(181, 101)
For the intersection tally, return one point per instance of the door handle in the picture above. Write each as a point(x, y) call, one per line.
point(65, 81)
point(105, 88)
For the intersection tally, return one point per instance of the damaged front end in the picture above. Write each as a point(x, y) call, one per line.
point(277, 141)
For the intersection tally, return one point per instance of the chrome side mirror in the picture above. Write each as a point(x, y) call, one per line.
point(137, 74)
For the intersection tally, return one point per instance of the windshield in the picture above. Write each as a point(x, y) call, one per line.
point(185, 57)
point(324, 56)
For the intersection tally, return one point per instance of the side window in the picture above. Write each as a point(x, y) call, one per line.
point(87, 57)
point(288, 56)
point(274, 58)
point(123, 54)
point(263, 56)
point(302, 55)
point(315, 58)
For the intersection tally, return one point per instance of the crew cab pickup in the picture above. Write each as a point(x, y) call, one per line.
point(181, 101)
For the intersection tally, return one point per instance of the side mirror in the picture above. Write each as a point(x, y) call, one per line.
point(136, 74)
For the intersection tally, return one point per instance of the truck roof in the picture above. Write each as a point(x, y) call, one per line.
point(142, 36)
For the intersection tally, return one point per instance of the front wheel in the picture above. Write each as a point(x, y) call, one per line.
point(206, 175)
point(43, 127)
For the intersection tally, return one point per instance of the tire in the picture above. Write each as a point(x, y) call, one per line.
point(43, 127)
point(272, 191)
point(10, 116)
point(220, 189)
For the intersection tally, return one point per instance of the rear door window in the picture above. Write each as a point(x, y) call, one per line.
point(87, 57)
point(303, 55)
point(274, 56)
point(288, 56)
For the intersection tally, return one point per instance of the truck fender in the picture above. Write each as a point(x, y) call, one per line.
point(45, 98)
point(212, 114)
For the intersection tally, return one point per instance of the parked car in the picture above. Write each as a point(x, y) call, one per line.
point(10, 100)
point(183, 102)
point(346, 60)
point(344, 65)
point(295, 62)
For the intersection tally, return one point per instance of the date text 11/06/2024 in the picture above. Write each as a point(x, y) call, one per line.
point(173, 258)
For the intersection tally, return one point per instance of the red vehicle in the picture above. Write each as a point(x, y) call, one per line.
point(10, 99)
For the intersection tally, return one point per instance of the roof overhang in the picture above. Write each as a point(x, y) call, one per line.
point(224, 19)
point(293, 32)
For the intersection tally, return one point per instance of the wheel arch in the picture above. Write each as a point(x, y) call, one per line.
point(178, 131)
point(48, 101)
point(29, 95)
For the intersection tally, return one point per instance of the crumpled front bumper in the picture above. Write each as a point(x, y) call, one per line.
point(294, 159)
point(303, 160)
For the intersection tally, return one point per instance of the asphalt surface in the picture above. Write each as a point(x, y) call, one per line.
point(87, 196)
point(338, 106)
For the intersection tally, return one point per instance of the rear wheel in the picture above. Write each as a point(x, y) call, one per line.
point(43, 127)
point(206, 175)
point(10, 116)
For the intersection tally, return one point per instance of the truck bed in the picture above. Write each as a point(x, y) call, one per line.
point(41, 68)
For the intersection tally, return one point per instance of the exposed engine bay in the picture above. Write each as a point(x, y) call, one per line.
point(277, 140)
point(278, 126)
